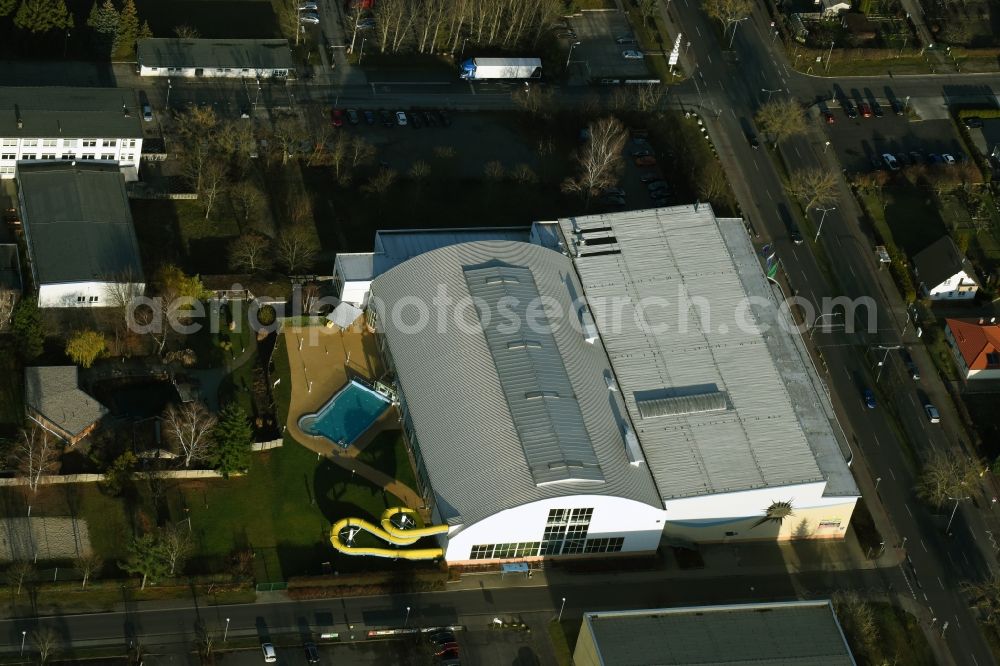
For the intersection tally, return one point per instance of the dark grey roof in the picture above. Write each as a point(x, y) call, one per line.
point(10, 267)
point(797, 633)
point(452, 388)
point(71, 113)
point(254, 54)
point(77, 222)
point(940, 261)
point(54, 392)
point(532, 377)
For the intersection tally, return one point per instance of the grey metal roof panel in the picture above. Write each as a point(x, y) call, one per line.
point(679, 254)
point(452, 390)
point(69, 113)
point(77, 222)
point(803, 633)
point(532, 377)
point(54, 392)
point(253, 54)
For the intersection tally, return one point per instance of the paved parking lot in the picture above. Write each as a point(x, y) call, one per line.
point(598, 55)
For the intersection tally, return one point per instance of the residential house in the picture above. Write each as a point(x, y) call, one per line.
point(944, 273)
point(79, 233)
point(975, 344)
point(53, 399)
point(58, 123)
point(214, 58)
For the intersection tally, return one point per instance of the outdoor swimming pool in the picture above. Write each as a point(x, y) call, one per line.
point(348, 414)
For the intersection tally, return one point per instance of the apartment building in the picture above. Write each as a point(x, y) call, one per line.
point(58, 123)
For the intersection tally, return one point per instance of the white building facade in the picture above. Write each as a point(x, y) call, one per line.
point(84, 124)
point(215, 58)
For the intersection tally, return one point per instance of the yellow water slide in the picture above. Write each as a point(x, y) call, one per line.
point(402, 532)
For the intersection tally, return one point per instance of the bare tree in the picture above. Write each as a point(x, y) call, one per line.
point(361, 152)
point(213, 182)
point(538, 102)
point(89, 565)
point(781, 118)
point(176, 546)
point(600, 160)
point(494, 171)
point(985, 598)
point(712, 183)
point(380, 183)
point(37, 454)
point(198, 129)
point(523, 174)
point(431, 16)
point(857, 616)
point(8, 299)
point(120, 291)
point(186, 32)
point(246, 198)
point(189, 426)
point(814, 187)
point(727, 12)
point(297, 247)
point(948, 477)
point(288, 134)
point(18, 573)
point(250, 252)
point(46, 640)
point(648, 10)
point(419, 171)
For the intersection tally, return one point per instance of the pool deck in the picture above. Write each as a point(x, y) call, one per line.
point(322, 359)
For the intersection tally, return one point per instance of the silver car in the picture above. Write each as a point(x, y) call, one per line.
point(308, 7)
point(310, 18)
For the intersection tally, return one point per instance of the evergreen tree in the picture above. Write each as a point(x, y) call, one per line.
point(61, 16)
point(145, 32)
point(7, 7)
point(26, 325)
point(103, 22)
point(36, 16)
point(148, 558)
point(231, 437)
point(128, 30)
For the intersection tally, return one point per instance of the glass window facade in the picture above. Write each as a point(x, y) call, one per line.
point(565, 534)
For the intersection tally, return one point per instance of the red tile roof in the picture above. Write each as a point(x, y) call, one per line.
point(975, 341)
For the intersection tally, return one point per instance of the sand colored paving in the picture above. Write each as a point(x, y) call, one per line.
point(47, 538)
point(321, 361)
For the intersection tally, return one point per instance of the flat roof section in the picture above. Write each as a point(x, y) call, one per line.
point(253, 54)
point(71, 113)
point(797, 633)
point(650, 276)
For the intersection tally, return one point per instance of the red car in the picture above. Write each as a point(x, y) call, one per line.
point(645, 161)
point(336, 117)
point(828, 118)
point(866, 110)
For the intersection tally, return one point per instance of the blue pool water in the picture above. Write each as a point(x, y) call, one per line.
point(348, 414)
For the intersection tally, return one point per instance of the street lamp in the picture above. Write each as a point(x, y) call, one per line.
point(570, 54)
point(826, 146)
point(561, 608)
point(906, 107)
point(769, 92)
point(225, 634)
point(881, 364)
point(361, 54)
point(169, 86)
point(826, 314)
point(828, 56)
point(821, 219)
point(407, 620)
point(954, 511)
point(24, 635)
point(464, 42)
point(736, 24)
point(878, 480)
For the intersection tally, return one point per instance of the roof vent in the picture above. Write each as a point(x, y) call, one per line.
point(610, 381)
point(589, 326)
point(20, 124)
point(632, 448)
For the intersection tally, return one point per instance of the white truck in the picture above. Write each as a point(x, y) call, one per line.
point(498, 69)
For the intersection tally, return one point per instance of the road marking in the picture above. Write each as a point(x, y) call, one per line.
point(950, 558)
point(892, 474)
point(797, 152)
point(769, 196)
point(851, 267)
point(709, 58)
point(755, 165)
point(877, 443)
point(908, 509)
point(957, 622)
point(913, 400)
point(974, 659)
point(698, 30)
point(924, 546)
point(940, 583)
point(925, 597)
point(966, 558)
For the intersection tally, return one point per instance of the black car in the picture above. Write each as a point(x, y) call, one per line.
point(415, 120)
point(352, 116)
point(973, 122)
point(911, 367)
point(442, 637)
point(753, 141)
point(444, 117)
point(877, 110)
point(387, 118)
point(915, 158)
point(430, 118)
point(650, 176)
point(850, 110)
point(312, 654)
point(369, 117)
point(897, 107)
point(795, 235)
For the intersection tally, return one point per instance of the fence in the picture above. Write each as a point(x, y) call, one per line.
point(265, 446)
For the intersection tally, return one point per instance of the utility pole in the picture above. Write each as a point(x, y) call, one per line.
point(881, 364)
point(821, 219)
point(769, 92)
point(570, 54)
point(828, 56)
point(953, 512)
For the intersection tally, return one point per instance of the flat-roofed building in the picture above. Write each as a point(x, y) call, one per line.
point(40, 124)
point(215, 58)
point(794, 633)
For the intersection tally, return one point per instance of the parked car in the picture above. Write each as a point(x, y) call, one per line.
point(795, 235)
point(366, 24)
point(401, 118)
point(336, 117)
point(632, 54)
point(890, 162)
point(948, 159)
point(445, 118)
point(352, 116)
point(415, 121)
point(973, 122)
point(270, 656)
point(446, 647)
point(369, 117)
point(865, 110)
point(869, 399)
point(567, 34)
point(849, 109)
point(386, 117)
point(911, 367)
point(147, 113)
point(645, 152)
point(308, 7)
point(312, 654)
point(448, 654)
point(441, 637)
point(657, 185)
point(614, 191)
point(646, 161)
point(903, 160)
point(915, 157)
point(877, 110)
point(430, 118)
point(828, 118)
point(932, 413)
point(309, 17)
point(753, 141)
point(625, 39)
point(614, 200)
point(897, 107)
point(934, 158)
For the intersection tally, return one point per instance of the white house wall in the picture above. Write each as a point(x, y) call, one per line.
point(212, 72)
point(958, 287)
point(356, 292)
point(69, 295)
point(641, 525)
point(125, 152)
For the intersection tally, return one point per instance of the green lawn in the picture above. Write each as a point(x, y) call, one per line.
point(387, 453)
point(177, 231)
point(900, 639)
point(911, 218)
point(563, 636)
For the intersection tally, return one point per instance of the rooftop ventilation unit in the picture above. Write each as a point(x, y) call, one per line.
point(610, 381)
point(588, 326)
point(682, 404)
point(632, 448)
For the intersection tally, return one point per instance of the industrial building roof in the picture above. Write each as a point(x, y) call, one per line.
point(54, 392)
point(492, 407)
point(70, 113)
point(717, 389)
point(798, 633)
point(77, 222)
point(254, 54)
point(394, 246)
